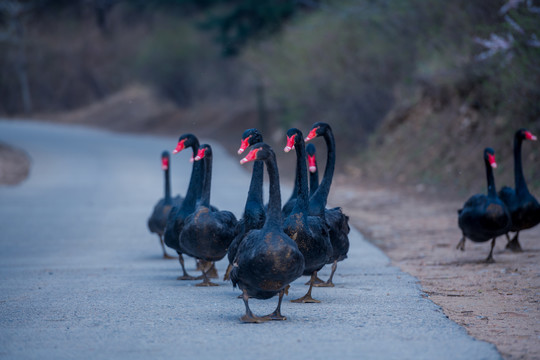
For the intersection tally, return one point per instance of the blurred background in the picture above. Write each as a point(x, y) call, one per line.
point(414, 89)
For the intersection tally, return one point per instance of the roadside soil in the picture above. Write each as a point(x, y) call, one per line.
point(498, 302)
point(417, 229)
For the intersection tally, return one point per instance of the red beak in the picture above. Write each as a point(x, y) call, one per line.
point(243, 145)
point(200, 154)
point(529, 136)
point(491, 159)
point(312, 163)
point(250, 157)
point(312, 134)
point(290, 143)
point(164, 163)
point(180, 146)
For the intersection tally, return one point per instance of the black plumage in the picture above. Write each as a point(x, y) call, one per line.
point(337, 221)
point(522, 205)
point(158, 220)
point(267, 260)
point(254, 211)
point(482, 217)
point(309, 232)
point(207, 233)
point(178, 214)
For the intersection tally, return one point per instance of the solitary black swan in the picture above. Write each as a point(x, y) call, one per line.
point(158, 219)
point(338, 222)
point(309, 232)
point(484, 217)
point(267, 260)
point(206, 233)
point(312, 167)
point(524, 208)
point(254, 211)
point(178, 214)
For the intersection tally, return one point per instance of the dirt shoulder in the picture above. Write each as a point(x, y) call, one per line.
point(498, 302)
point(14, 165)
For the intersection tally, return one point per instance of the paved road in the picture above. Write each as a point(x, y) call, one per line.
point(81, 277)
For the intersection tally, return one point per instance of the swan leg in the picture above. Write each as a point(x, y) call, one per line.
point(329, 283)
point(207, 268)
point(212, 272)
point(165, 255)
point(249, 317)
point(227, 275)
point(185, 275)
point(489, 259)
point(307, 298)
point(318, 280)
point(276, 315)
point(514, 244)
point(461, 244)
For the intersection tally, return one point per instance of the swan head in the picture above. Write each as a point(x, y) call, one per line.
point(249, 137)
point(312, 160)
point(165, 160)
point(204, 151)
point(318, 129)
point(489, 155)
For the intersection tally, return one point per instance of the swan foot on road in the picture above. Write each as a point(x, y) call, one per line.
point(329, 282)
point(276, 315)
point(207, 282)
point(325, 284)
point(189, 277)
point(165, 255)
point(489, 259)
point(248, 317)
point(307, 298)
point(461, 244)
point(514, 244)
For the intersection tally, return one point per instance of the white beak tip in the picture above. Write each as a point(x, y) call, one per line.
point(312, 169)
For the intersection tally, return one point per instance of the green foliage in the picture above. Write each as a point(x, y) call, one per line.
point(183, 64)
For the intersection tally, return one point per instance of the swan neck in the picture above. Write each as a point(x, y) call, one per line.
point(255, 194)
point(207, 184)
point(519, 180)
point(319, 198)
point(492, 192)
point(195, 183)
point(167, 186)
point(273, 215)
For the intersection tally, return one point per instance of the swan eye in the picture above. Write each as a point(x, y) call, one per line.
point(243, 145)
point(164, 163)
point(181, 146)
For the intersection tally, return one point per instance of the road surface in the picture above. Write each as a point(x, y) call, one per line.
point(81, 277)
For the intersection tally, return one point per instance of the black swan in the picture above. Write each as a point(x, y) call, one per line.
point(267, 260)
point(338, 222)
point(524, 208)
point(207, 233)
point(178, 214)
point(312, 167)
point(309, 232)
point(254, 211)
point(158, 219)
point(484, 217)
